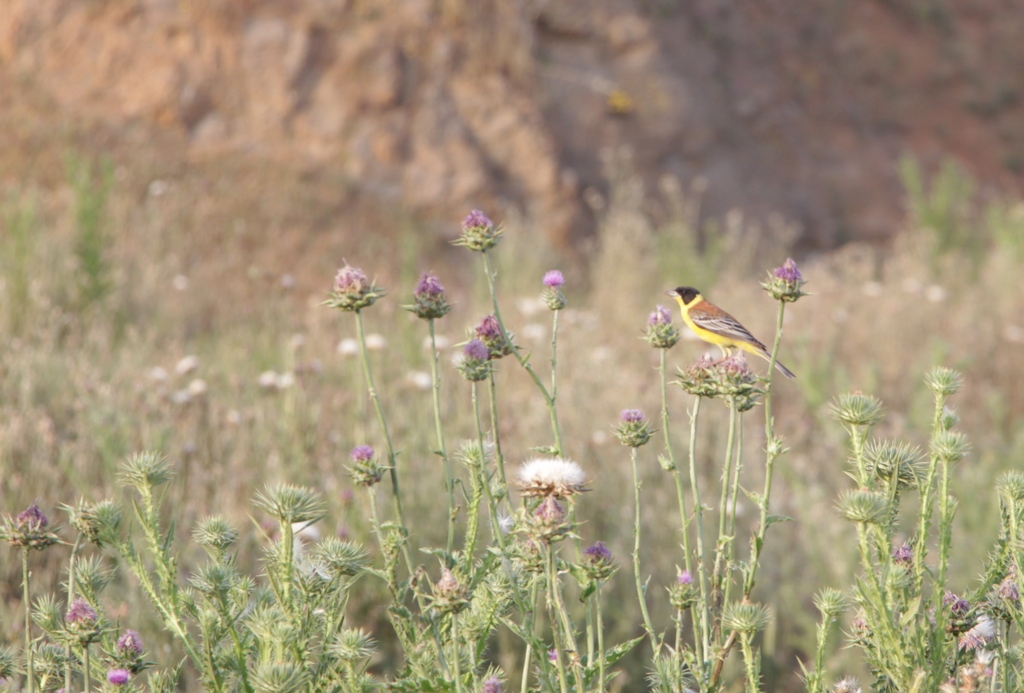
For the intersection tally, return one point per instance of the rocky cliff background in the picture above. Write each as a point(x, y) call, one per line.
point(782, 110)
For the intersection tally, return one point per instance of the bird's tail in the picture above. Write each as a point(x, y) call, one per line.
point(782, 369)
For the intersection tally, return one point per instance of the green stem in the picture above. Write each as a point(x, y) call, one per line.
point(554, 604)
point(733, 496)
point(641, 597)
point(30, 672)
point(532, 629)
point(455, 655)
point(71, 599)
point(524, 361)
point(702, 616)
point(449, 481)
point(86, 674)
point(684, 519)
point(392, 458)
point(722, 546)
point(498, 456)
point(750, 660)
point(600, 638)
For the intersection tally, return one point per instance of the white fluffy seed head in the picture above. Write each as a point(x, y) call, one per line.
point(555, 476)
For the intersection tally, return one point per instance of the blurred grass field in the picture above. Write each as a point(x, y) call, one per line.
point(144, 311)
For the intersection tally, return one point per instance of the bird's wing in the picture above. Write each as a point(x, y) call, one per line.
point(724, 325)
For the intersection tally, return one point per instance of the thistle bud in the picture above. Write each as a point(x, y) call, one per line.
point(553, 296)
point(597, 561)
point(784, 283)
point(634, 429)
point(683, 593)
point(429, 298)
point(489, 332)
point(478, 232)
point(474, 362)
point(352, 290)
point(661, 333)
point(28, 530)
point(365, 469)
point(81, 622)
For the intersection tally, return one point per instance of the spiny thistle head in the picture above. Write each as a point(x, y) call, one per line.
point(863, 507)
point(429, 300)
point(1011, 487)
point(450, 594)
point(546, 524)
point(290, 503)
point(943, 381)
point(683, 593)
point(553, 297)
point(279, 676)
point(784, 283)
point(215, 533)
point(888, 459)
point(478, 232)
point(341, 557)
point(731, 379)
point(29, 529)
point(903, 556)
point(8, 664)
point(81, 622)
point(1008, 589)
point(633, 430)
point(949, 419)
point(746, 617)
point(365, 469)
point(352, 290)
point(352, 645)
point(118, 677)
point(130, 643)
point(551, 476)
point(950, 446)
point(957, 605)
point(598, 562)
point(489, 332)
point(492, 684)
point(98, 522)
point(145, 471)
point(856, 409)
point(847, 684)
point(474, 361)
point(660, 332)
point(830, 602)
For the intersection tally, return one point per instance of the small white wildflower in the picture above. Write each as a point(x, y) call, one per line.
point(533, 332)
point(506, 523)
point(375, 342)
point(267, 380)
point(873, 289)
point(179, 282)
point(442, 341)
point(284, 380)
point(186, 365)
point(551, 476)
point(158, 374)
point(935, 293)
point(982, 632)
point(421, 380)
point(348, 347)
point(911, 285)
point(197, 388)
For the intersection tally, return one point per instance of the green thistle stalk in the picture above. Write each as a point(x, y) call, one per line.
point(30, 673)
point(648, 626)
point(701, 617)
point(392, 458)
point(549, 399)
point(449, 480)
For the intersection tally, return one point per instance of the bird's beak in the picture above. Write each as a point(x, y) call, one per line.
point(672, 293)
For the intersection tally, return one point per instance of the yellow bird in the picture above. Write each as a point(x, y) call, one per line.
point(714, 325)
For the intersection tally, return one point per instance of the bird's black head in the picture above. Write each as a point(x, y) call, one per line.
point(684, 293)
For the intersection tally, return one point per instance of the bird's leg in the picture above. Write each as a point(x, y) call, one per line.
point(726, 354)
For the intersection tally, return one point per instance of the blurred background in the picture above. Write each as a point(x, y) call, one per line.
point(179, 181)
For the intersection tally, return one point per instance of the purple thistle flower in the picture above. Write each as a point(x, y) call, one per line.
point(488, 329)
point(598, 553)
point(788, 272)
point(1008, 589)
point(80, 612)
point(903, 555)
point(492, 685)
point(32, 519)
point(476, 349)
point(118, 677)
point(660, 316)
point(958, 605)
point(130, 643)
point(684, 578)
point(350, 280)
point(428, 286)
point(361, 453)
point(553, 279)
point(476, 220)
point(552, 655)
point(632, 416)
